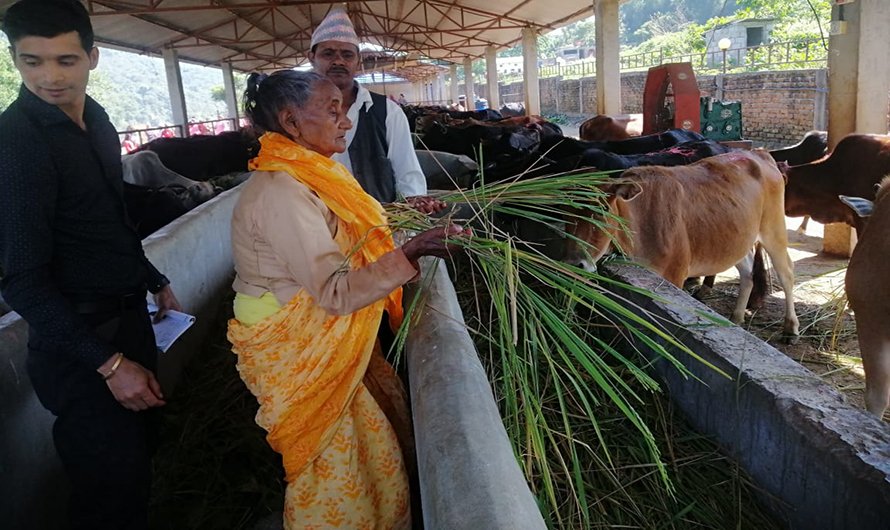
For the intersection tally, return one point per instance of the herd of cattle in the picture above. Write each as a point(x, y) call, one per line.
point(694, 206)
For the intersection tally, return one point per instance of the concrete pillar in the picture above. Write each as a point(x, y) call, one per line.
point(469, 88)
point(843, 76)
point(231, 96)
point(874, 70)
point(608, 71)
point(454, 93)
point(858, 82)
point(820, 116)
point(491, 69)
point(530, 71)
point(417, 87)
point(174, 87)
point(440, 87)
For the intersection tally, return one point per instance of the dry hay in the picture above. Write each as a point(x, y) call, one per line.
point(213, 469)
point(828, 345)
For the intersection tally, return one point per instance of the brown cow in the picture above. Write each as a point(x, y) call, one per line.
point(602, 128)
point(854, 168)
point(698, 220)
point(868, 292)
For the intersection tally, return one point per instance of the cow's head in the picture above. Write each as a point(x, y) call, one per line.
point(806, 194)
point(591, 235)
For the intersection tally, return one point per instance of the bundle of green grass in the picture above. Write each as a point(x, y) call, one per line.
point(596, 438)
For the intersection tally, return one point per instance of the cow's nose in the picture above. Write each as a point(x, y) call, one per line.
point(583, 263)
point(588, 265)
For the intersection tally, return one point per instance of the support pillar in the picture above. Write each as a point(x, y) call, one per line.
point(469, 83)
point(174, 87)
point(608, 71)
point(230, 95)
point(491, 69)
point(454, 91)
point(418, 92)
point(530, 71)
point(874, 70)
point(858, 80)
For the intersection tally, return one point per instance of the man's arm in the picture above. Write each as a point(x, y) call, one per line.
point(410, 180)
point(27, 211)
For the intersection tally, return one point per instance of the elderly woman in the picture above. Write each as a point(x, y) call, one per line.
point(316, 269)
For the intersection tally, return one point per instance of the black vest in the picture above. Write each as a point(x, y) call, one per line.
point(367, 152)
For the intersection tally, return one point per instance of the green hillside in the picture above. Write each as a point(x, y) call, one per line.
point(133, 88)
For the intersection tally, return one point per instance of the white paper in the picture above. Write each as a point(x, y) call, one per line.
point(170, 328)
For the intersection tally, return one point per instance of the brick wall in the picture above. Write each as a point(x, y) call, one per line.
point(778, 108)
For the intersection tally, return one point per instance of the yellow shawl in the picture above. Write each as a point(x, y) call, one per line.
point(303, 364)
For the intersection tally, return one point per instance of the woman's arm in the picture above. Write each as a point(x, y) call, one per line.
point(294, 221)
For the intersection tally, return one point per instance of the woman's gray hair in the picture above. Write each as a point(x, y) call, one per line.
point(267, 95)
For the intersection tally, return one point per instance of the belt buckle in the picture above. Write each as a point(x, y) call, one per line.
point(127, 300)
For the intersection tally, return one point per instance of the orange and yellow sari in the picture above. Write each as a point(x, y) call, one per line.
point(318, 380)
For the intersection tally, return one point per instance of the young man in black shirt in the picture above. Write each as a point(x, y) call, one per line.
point(74, 268)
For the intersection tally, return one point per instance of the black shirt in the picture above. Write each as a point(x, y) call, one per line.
point(64, 233)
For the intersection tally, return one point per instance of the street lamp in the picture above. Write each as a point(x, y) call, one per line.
point(724, 45)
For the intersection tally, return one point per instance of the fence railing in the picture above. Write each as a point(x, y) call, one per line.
point(796, 54)
point(133, 138)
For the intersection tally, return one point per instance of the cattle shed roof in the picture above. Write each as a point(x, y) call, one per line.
point(272, 34)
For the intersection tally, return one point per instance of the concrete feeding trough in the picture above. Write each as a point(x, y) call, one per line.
point(827, 462)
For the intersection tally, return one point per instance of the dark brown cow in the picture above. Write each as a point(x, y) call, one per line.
point(698, 220)
point(202, 157)
point(812, 147)
point(854, 168)
point(602, 128)
point(868, 291)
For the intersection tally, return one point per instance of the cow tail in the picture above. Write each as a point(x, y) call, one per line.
point(761, 280)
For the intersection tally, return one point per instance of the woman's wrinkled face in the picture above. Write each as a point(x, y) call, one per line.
point(321, 125)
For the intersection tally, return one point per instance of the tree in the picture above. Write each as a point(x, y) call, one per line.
point(9, 77)
point(636, 13)
point(581, 33)
point(798, 19)
point(786, 9)
point(218, 95)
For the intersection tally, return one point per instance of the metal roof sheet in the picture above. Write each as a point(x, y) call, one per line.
point(273, 34)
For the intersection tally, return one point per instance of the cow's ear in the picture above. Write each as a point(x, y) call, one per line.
point(862, 207)
point(628, 190)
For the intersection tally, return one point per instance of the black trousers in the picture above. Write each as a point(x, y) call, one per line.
point(105, 448)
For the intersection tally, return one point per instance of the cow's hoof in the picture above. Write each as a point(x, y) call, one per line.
point(792, 339)
point(702, 292)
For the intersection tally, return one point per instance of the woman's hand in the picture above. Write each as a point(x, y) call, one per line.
point(434, 242)
point(426, 204)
